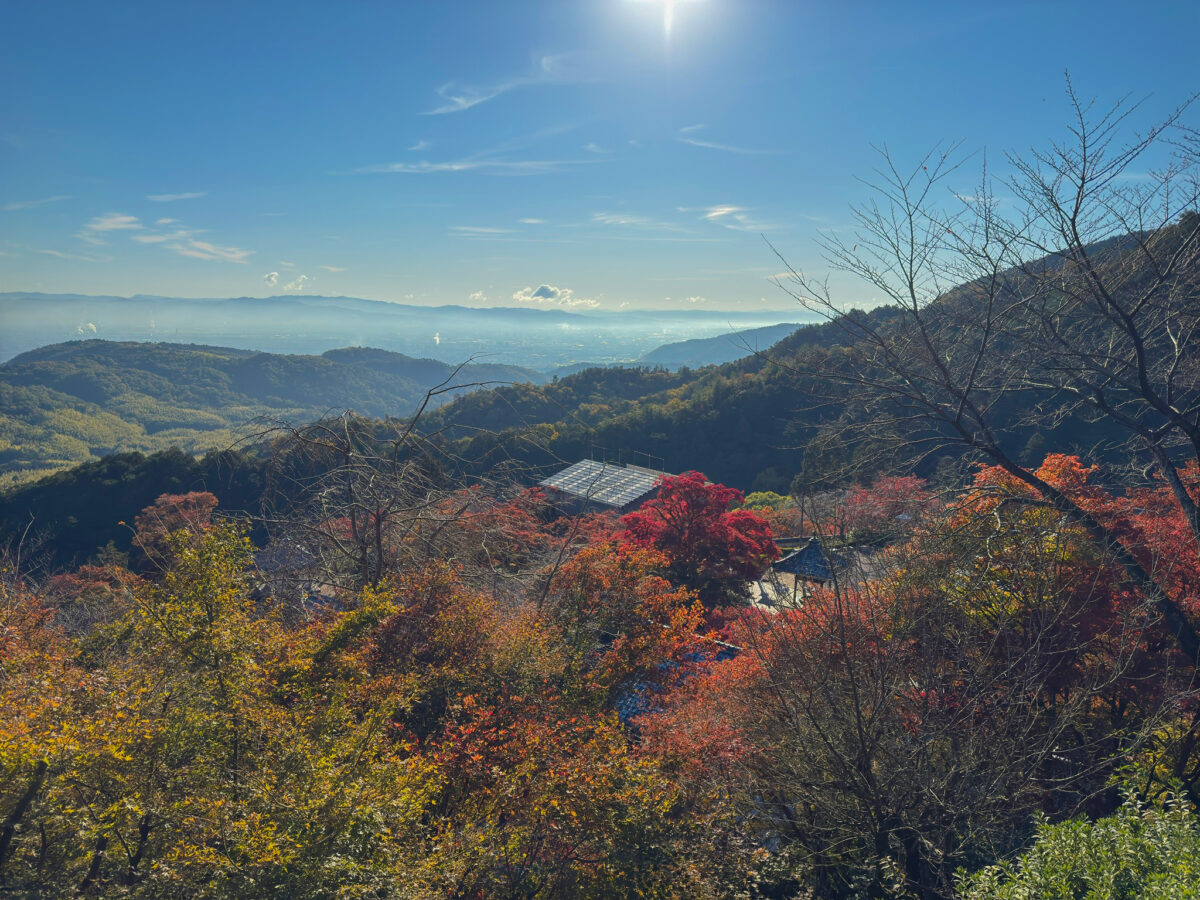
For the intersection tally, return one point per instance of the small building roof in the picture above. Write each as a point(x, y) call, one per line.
point(810, 562)
point(604, 484)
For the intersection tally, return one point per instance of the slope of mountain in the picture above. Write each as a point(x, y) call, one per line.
point(757, 423)
point(716, 350)
point(67, 403)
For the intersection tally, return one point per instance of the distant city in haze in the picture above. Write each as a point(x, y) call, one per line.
point(601, 155)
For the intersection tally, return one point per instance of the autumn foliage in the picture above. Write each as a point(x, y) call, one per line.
point(463, 726)
point(709, 546)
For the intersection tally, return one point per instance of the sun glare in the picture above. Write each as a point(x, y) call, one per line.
point(668, 12)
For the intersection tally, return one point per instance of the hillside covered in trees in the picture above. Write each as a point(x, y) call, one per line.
point(67, 403)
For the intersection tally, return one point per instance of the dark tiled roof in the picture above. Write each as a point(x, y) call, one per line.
point(604, 484)
point(810, 561)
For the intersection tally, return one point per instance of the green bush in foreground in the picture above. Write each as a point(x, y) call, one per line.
point(1142, 851)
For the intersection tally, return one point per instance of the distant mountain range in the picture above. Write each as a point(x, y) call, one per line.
point(67, 403)
point(538, 338)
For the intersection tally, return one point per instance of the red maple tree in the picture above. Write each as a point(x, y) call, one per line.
point(709, 547)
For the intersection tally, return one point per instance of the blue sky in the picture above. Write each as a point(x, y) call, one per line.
point(560, 153)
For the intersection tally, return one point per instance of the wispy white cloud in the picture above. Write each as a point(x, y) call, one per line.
point(17, 205)
point(631, 220)
point(204, 250)
point(271, 278)
point(713, 213)
point(596, 148)
point(82, 257)
point(697, 299)
point(532, 221)
point(458, 97)
point(113, 222)
point(99, 225)
point(419, 145)
point(735, 218)
point(176, 237)
point(286, 264)
point(477, 297)
point(551, 295)
point(687, 135)
point(474, 164)
point(468, 230)
point(334, 268)
point(167, 198)
point(297, 285)
point(498, 160)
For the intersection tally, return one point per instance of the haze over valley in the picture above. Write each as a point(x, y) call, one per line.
point(541, 339)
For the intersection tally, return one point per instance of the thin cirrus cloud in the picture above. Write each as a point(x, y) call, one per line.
point(17, 205)
point(458, 97)
point(498, 160)
point(631, 220)
point(735, 218)
point(485, 165)
point(623, 226)
point(178, 239)
point(59, 254)
point(168, 198)
point(477, 231)
point(334, 268)
point(552, 295)
point(688, 135)
point(204, 250)
point(93, 231)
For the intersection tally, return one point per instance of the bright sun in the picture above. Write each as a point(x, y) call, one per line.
point(668, 12)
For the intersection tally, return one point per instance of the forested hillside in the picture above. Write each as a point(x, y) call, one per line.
point(769, 422)
point(716, 350)
point(67, 403)
point(761, 423)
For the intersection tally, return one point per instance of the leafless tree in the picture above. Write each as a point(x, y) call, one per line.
point(352, 500)
point(1068, 289)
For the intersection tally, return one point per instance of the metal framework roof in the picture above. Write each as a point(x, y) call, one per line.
point(601, 483)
